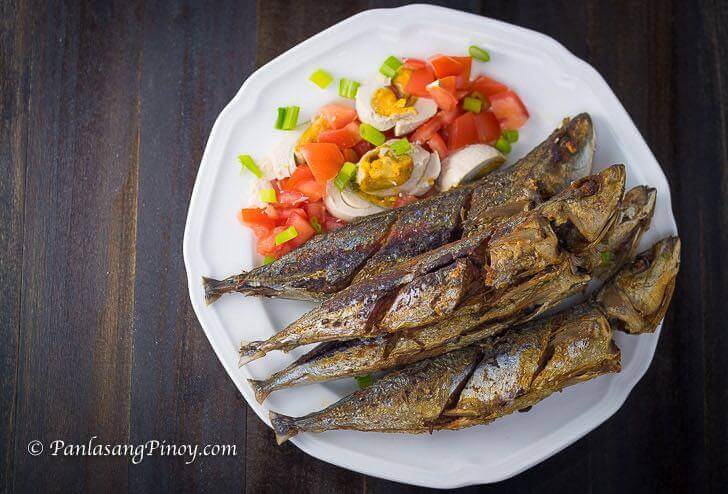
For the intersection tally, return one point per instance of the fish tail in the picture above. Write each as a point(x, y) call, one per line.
point(260, 389)
point(284, 426)
point(249, 352)
point(216, 288)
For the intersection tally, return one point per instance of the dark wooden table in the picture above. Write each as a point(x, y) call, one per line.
point(106, 108)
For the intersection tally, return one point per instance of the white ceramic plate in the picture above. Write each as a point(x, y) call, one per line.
point(553, 84)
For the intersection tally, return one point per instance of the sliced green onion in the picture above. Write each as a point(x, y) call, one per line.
point(321, 78)
point(607, 257)
point(290, 120)
point(248, 163)
point(280, 118)
point(348, 88)
point(371, 135)
point(473, 105)
point(316, 225)
point(390, 66)
point(400, 146)
point(479, 53)
point(503, 145)
point(511, 135)
point(345, 175)
point(288, 234)
point(268, 260)
point(364, 381)
point(268, 195)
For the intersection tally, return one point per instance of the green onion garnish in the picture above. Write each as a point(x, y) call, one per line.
point(280, 118)
point(345, 175)
point(290, 119)
point(607, 257)
point(371, 135)
point(268, 195)
point(503, 145)
point(364, 381)
point(248, 163)
point(400, 146)
point(321, 78)
point(348, 88)
point(511, 135)
point(268, 259)
point(473, 105)
point(316, 225)
point(479, 53)
point(288, 234)
point(390, 66)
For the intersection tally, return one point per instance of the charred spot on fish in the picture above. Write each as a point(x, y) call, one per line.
point(526, 409)
point(641, 264)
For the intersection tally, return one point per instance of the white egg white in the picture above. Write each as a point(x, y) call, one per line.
point(467, 164)
point(347, 204)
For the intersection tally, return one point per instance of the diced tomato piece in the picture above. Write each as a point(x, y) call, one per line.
point(487, 127)
point(363, 147)
point(316, 210)
point(425, 131)
point(345, 137)
point(447, 117)
point(256, 216)
point(443, 92)
point(445, 66)
point(509, 110)
point(291, 197)
point(303, 227)
point(333, 223)
point(350, 155)
point(437, 145)
point(313, 190)
point(324, 159)
point(418, 81)
point(338, 116)
point(272, 213)
point(414, 63)
point(267, 245)
point(462, 132)
point(302, 173)
point(463, 77)
point(487, 86)
point(285, 212)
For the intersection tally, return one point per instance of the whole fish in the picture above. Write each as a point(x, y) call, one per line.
point(366, 247)
point(504, 374)
point(518, 246)
point(520, 303)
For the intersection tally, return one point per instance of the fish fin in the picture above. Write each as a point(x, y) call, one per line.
point(260, 390)
point(212, 292)
point(283, 426)
point(249, 352)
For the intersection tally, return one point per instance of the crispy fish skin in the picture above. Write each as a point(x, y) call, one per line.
point(329, 262)
point(638, 296)
point(403, 401)
point(590, 203)
point(472, 321)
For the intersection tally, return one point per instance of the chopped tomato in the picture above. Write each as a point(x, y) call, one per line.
point(333, 223)
point(437, 145)
point(324, 159)
point(414, 63)
point(425, 131)
point(487, 127)
point(443, 92)
point(447, 117)
point(345, 137)
point(445, 66)
point(338, 116)
point(285, 212)
point(291, 197)
point(487, 86)
point(350, 155)
point(313, 190)
point(509, 110)
point(462, 132)
point(450, 83)
point(257, 220)
point(302, 173)
point(418, 81)
point(463, 77)
point(363, 147)
point(267, 245)
point(316, 210)
point(404, 200)
point(272, 212)
point(303, 227)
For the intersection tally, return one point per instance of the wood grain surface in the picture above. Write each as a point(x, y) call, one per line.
point(106, 107)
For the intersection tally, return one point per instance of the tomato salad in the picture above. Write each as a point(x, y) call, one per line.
point(417, 128)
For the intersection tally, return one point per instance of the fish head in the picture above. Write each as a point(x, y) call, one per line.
point(636, 298)
point(571, 150)
point(585, 211)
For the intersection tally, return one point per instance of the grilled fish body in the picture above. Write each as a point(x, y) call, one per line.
point(367, 247)
point(524, 244)
point(511, 372)
point(478, 318)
